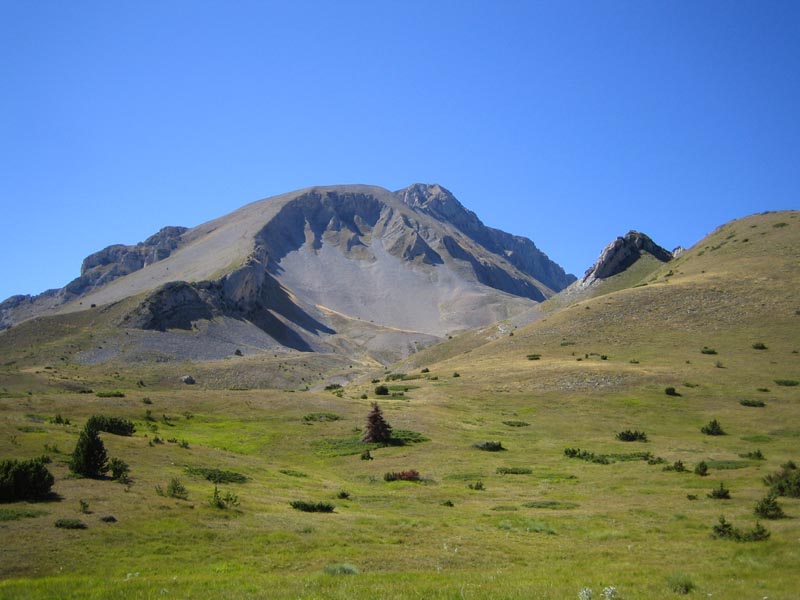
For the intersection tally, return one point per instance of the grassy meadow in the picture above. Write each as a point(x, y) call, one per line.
point(524, 522)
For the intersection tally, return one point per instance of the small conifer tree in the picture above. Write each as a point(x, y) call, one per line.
point(377, 430)
point(89, 457)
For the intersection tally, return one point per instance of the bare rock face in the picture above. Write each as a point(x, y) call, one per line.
point(622, 253)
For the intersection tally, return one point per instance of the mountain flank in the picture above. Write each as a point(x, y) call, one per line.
point(407, 267)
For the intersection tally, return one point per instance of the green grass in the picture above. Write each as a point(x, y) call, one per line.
point(567, 525)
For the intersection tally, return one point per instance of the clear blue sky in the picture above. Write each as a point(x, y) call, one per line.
point(566, 122)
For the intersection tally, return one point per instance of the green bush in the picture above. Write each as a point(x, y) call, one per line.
point(113, 425)
point(726, 531)
point(223, 501)
point(534, 356)
point(754, 403)
point(759, 346)
point(381, 390)
point(632, 436)
point(785, 482)
point(754, 455)
point(713, 428)
point(516, 423)
point(59, 420)
point(707, 350)
point(320, 417)
point(514, 471)
point(768, 508)
point(408, 475)
point(670, 391)
point(119, 469)
point(677, 466)
point(701, 468)
point(343, 495)
point(720, 493)
point(323, 507)
point(70, 524)
point(477, 486)
point(111, 394)
point(24, 480)
point(786, 382)
point(89, 457)
point(489, 446)
point(217, 475)
point(599, 459)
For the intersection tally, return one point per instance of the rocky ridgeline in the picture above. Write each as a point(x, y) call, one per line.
point(621, 254)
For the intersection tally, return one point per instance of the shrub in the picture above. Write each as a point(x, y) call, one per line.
point(456, 374)
point(786, 382)
point(119, 469)
point(534, 356)
point(59, 420)
point(366, 455)
point(670, 391)
point(489, 446)
point(514, 471)
point(333, 386)
point(320, 417)
point(599, 459)
point(343, 495)
point(477, 486)
point(754, 455)
point(377, 429)
point(222, 501)
point(713, 428)
point(632, 436)
point(755, 403)
point(680, 583)
point(720, 493)
point(111, 394)
point(113, 425)
point(707, 350)
point(726, 531)
point(408, 475)
point(759, 346)
point(89, 457)
point(217, 475)
point(323, 507)
point(785, 482)
point(70, 524)
point(425, 370)
point(701, 468)
point(768, 508)
point(24, 480)
point(516, 423)
point(677, 466)
point(381, 390)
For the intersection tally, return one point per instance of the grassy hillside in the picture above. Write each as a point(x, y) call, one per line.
point(544, 524)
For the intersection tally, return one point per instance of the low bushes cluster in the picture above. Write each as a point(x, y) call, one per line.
point(516, 423)
point(707, 350)
point(222, 501)
point(768, 508)
point(217, 475)
point(489, 446)
point(407, 475)
point(320, 417)
point(726, 531)
point(600, 459)
point(175, 489)
point(111, 394)
point(677, 466)
point(713, 428)
point(753, 403)
point(24, 479)
point(70, 524)
point(302, 505)
point(786, 382)
point(720, 493)
point(785, 482)
point(632, 436)
point(514, 471)
point(113, 425)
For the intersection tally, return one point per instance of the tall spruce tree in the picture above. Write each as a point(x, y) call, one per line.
point(89, 457)
point(377, 430)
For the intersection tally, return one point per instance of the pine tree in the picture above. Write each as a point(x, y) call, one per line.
point(377, 430)
point(89, 457)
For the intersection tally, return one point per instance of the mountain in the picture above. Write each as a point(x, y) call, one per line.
point(353, 268)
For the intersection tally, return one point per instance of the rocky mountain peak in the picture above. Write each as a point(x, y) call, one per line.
point(622, 253)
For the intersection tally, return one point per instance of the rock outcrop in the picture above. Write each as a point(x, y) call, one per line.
point(621, 254)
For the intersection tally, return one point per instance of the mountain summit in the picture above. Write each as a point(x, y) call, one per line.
point(341, 267)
